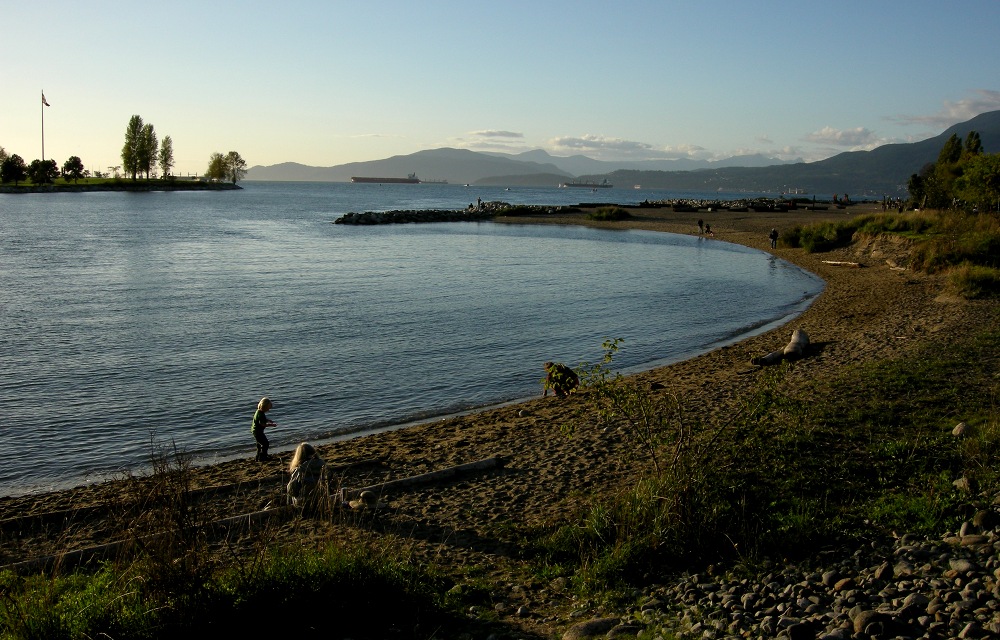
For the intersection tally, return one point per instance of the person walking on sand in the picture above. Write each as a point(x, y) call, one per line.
point(774, 238)
point(708, 230)
point(260, 422)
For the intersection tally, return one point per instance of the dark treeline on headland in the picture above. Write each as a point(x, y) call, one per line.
point(122, 185)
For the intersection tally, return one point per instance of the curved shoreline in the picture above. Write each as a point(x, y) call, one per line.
point(865, 315)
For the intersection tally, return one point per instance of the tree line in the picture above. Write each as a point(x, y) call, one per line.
point(141, 154)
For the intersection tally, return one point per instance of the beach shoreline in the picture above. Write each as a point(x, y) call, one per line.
point(875, 311)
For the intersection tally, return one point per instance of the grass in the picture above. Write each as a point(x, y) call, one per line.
point(285, 593)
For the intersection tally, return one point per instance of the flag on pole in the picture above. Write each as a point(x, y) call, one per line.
point(43, 100)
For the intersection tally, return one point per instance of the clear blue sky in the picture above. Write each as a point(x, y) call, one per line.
point(328, 82)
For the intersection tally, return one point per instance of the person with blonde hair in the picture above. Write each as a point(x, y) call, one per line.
point(260, 422)
point(306, 470)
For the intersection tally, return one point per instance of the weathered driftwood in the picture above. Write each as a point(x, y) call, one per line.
point(842, 263)
point(346, 495)
point(795, 349)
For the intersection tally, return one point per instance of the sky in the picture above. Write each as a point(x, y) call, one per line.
point(325, 83)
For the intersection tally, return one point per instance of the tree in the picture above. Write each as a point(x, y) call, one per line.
point(973, 144)
point(3, 155)
point(979, 184)
point(148, 148)
point(166, 159)
point(43, 171)
point(131, 150)
point(236, 167)
point(72, 169)
point(951, 151)
point(13, 169)
point(216, 167)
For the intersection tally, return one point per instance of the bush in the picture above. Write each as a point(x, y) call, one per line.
point(609, 213)
point(827, 236)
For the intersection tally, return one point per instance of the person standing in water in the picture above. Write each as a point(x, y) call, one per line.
point(260, 422)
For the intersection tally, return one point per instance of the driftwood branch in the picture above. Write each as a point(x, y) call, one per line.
point(424, 478)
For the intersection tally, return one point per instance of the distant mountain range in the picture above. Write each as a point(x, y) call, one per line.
point(884, 170)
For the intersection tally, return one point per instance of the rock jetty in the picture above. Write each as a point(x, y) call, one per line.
point(404, 217)
point(911, 588)
point(482, 211)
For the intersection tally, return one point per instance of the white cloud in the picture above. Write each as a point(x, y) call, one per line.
point(981, 101)
point(600, 144)
point(857, 138)
point(495, 133)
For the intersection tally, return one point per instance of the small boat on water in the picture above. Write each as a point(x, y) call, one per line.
point(410, 179)
point(603, 184)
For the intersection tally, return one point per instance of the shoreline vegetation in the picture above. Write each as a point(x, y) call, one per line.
point(122, 184)
point(850, 493)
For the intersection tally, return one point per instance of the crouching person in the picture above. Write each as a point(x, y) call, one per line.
point(306, 486)
point(560, 378)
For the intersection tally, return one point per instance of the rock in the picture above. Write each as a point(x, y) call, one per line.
point(986, 520)
point(865, 620)
point(960, 429)
point(591, 629)
point(624, 630)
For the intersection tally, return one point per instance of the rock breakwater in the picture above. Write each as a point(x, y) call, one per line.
point(481, 211)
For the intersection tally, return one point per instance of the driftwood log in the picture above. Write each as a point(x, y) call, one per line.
point(347, 495)
point(795, 349)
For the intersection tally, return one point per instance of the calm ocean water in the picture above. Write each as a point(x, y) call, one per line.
point(136, 321)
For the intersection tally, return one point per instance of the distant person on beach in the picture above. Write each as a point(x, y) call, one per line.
point(260, 422)
point(560, 378)
point(701, 226)
point(306, 471)
point(774, 238)
point(708, 230)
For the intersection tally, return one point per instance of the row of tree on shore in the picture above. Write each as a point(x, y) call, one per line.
point(142, 153)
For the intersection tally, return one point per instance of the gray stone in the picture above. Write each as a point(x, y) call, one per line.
point(591, 628)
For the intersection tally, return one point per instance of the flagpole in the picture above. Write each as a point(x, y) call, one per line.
point(43, 125)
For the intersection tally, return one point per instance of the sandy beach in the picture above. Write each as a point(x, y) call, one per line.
point(877, 311)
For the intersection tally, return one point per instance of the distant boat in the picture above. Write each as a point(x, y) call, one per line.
point(603, 184)
point(638, 186)
point(410, 179)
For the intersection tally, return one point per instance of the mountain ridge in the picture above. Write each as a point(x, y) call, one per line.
point(883, 170)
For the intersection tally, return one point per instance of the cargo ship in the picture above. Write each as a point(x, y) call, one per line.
point(410, 179)
point(603, 184)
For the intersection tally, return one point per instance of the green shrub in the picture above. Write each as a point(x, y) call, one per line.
point(609, 213)
point(827, 236)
